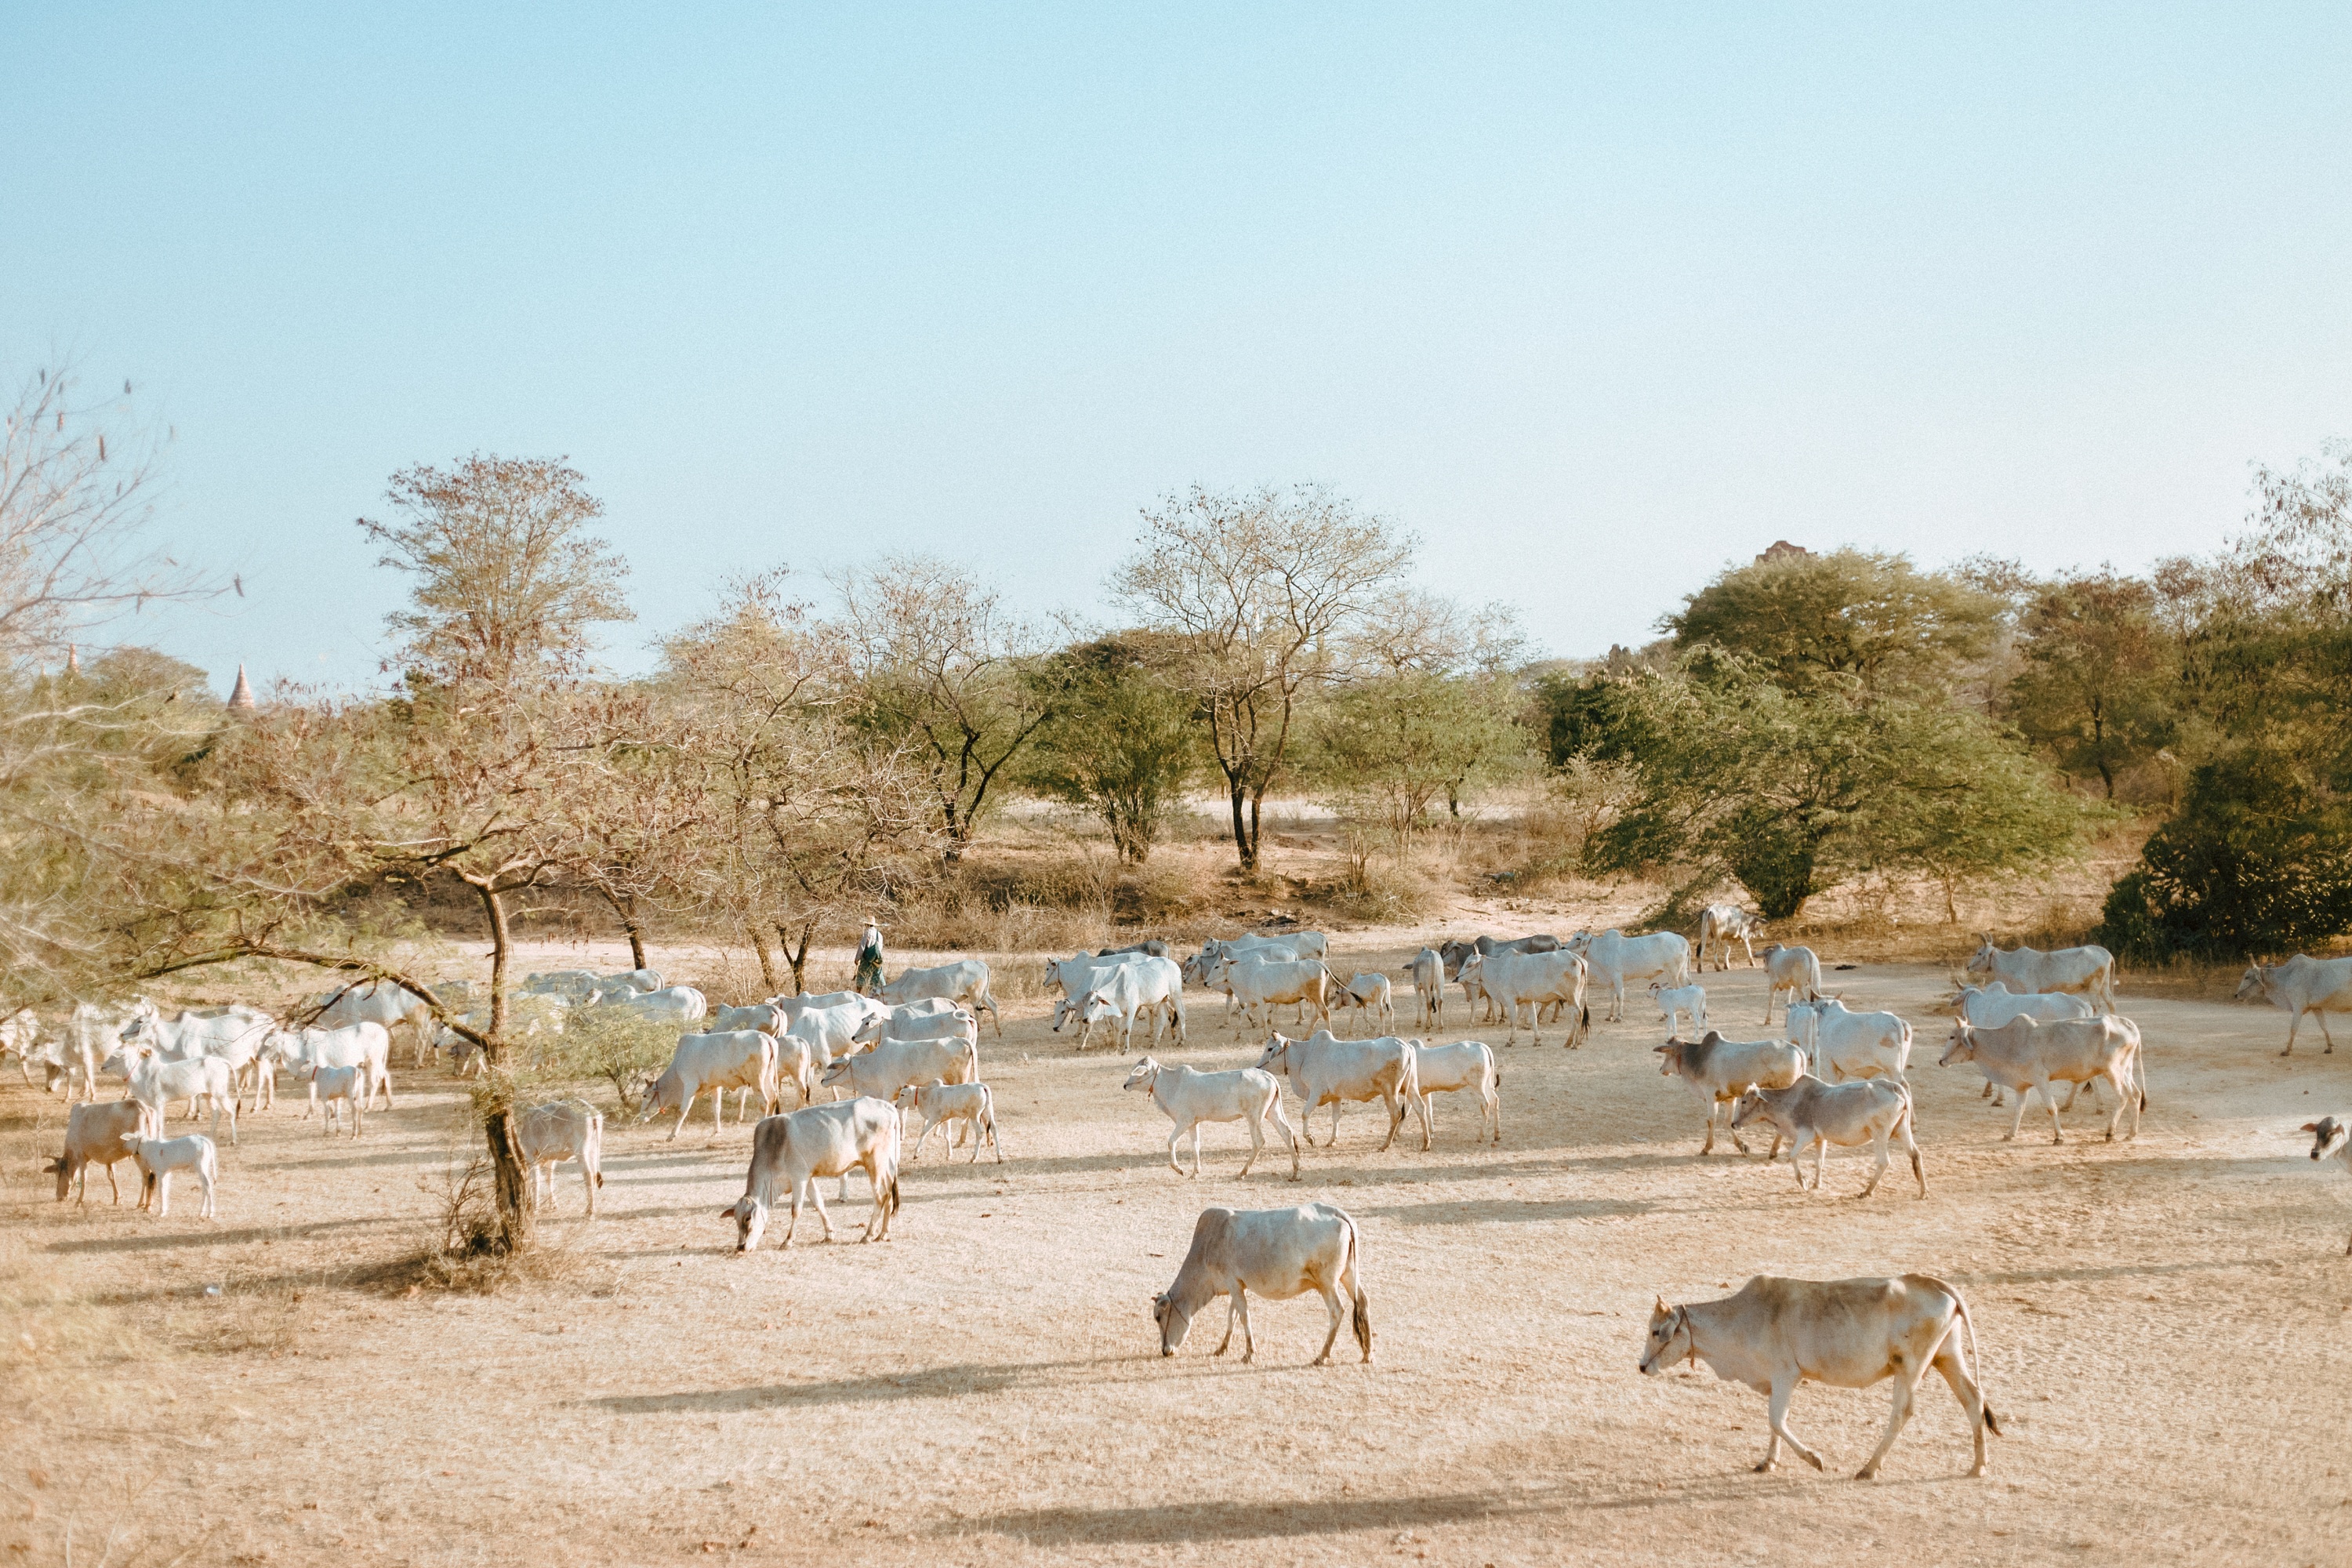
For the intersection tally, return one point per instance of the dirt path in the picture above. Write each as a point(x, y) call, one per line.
point(2164, 1328)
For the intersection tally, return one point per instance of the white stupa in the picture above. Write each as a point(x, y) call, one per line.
point(240, 696)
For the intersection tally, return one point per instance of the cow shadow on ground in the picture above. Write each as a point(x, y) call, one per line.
point(1478, 1211)
point(1239, 1521)
point(208, 1234)
point(933, 1382)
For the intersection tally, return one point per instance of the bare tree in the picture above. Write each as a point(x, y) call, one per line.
point(1257, 589)
point(938, 664)
point(801, 815)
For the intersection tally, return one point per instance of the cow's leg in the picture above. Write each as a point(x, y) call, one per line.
point(1494, 1103)
point(1421, 1103)
point(2321, 1013)
point(1391, 1104)
point(718, 1110)
point(1240, 1312)
point(1283, 1123)
point(1906, 1380)
point(816, 1198)
point(2294, 1022)
point(1196, 1150)
point(1784, 1388)
point(1335, 1124)
point(1331, 1303)
point(1233, 1299)
point(1257, 1139)
point(1955, 1370)
point(2023, 1095)
point(1175, 1141)
point(1870, 1186)
point(685, 1110)
point(2057, 1131)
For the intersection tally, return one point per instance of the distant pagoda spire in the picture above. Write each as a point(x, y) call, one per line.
point(240, 696)
point(73, 658)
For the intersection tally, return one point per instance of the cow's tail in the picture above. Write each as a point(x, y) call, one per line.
point(1359, 1306)
point(1968, 1328)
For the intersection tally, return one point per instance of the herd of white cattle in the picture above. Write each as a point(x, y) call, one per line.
point(2035, 1022)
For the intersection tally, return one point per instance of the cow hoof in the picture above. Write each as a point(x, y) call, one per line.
point(1865, 1474)
point(1765, 1469)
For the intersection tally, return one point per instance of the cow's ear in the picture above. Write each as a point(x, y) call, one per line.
point(727, 1213)
point(1662, 1308)
point(2311, 1127)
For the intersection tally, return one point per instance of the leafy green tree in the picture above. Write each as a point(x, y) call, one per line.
point(2097, 684)
point(1864, 615)
point(1119, 740)
point(1792, 793)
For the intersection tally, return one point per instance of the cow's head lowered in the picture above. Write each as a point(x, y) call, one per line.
point(751, 1217)
point(1173, 1320)
point(2256, 981)
point(2328, 1136)
point(1670, 1340)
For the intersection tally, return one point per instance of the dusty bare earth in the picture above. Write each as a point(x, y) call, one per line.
point(2164, 1328)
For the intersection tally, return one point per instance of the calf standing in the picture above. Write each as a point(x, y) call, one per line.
point(939, 1103)
point(1429, 988)
point(1468, 1066)
point(1673, 1000)
point(1371, 993)
point(332, 1086)
point(159, 1158)
point(1795, 969)
point(547, 1135)
point(1278, 1253)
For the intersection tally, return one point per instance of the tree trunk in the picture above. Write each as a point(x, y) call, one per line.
point(1242, 847)
point(507, 1175)
point(767, 960)
point(508, 1179)
point(797, 959)
point(494, 906)
point(625, 906)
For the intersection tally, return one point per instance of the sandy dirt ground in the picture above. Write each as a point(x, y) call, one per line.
point(2163, 1325)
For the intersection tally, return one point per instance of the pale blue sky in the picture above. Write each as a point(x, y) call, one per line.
point(1592, 301)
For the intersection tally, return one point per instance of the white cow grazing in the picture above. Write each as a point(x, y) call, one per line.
point(1672, 1000)
point(2301, 984)
point(1796, 970)
point(355, 1045)
point(939, 1104)
point(1429, 988)
point(95, 1135)
point(1260, 982)
point(1153, 986)
point(1074, 975)
point(1439, 1070)
point(1813, 1115)
point(789, 1152)
point(964, 982)
point(155, 1083)
point(2027, 1055)
point(332, 1088)
point(161, 1158)
point(2331, 1139)
point(1326, 1070)
point(1534, 981)
point(676, 1004)
point(1719, 1071)
point(1371, 992)
point(1849, 1333)
point(1279, 1254)
point(1616, 958)
point(2084, 971)
point(1845, 1045)
point(893, 1065)
point(547, 1135)
point(1719, 925)
point(1190, 1098)
point(380, 1002)
point(744, 1060)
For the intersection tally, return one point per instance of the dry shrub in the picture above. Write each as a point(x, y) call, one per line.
point(71, 1512)
point(1383, 883)
point(466, 1251)
point(1159, 893)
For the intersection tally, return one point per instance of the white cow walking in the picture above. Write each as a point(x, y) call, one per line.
point(1189, 1098)
point(2301, 984)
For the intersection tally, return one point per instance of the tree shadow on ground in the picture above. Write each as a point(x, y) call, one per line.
point(1238, 1521)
